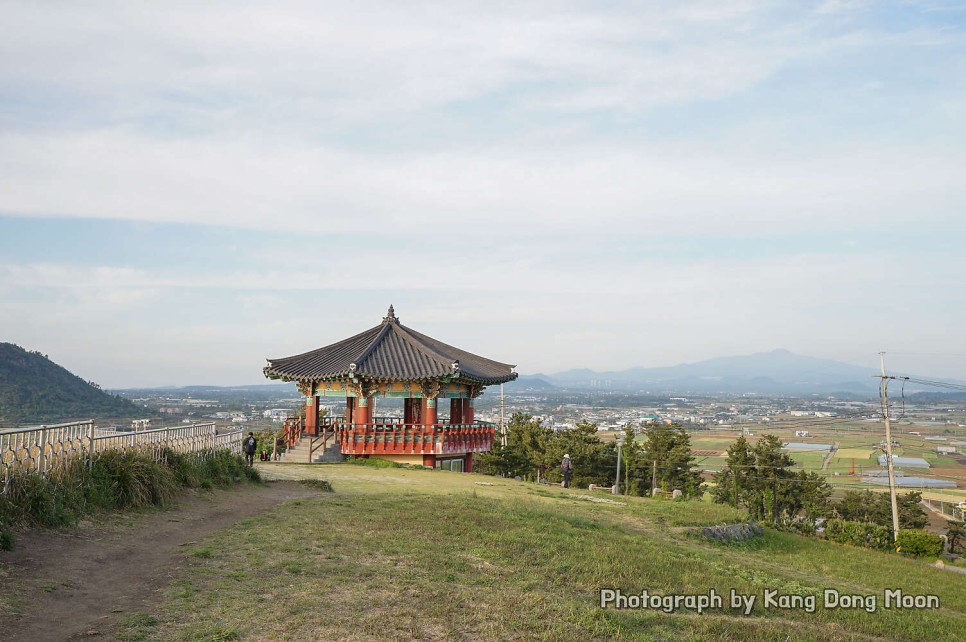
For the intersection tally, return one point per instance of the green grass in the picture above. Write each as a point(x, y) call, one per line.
point(136, 627)
point(808, 460)
point(407, 554)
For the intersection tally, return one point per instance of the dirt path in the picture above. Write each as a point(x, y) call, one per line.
point(77, 584)
point(831, 453)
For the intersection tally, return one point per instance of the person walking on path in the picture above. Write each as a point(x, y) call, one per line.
point(566, 468)
point(250, 445)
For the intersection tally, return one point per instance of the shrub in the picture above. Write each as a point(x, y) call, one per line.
point(374, 462)
point(318, 484)
point(956, 536)
point(266, 442)
point(864, 534)
point(919, 543)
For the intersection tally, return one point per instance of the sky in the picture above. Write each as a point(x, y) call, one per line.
point(187, 189)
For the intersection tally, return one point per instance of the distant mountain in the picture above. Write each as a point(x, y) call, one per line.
point(528, 383)
point(776, 372)
point(273, 388)
point(34, 389)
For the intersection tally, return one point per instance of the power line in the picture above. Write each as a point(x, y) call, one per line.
point(937, 384)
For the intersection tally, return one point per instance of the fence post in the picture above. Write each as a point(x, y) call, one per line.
point(43, 447)
point(90, 442)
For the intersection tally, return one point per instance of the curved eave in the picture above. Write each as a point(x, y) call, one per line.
point(489, 381)
point(273, 374)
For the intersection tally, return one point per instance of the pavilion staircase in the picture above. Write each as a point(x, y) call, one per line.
point(309, 449)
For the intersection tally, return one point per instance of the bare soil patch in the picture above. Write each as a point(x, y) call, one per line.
point(77, 584)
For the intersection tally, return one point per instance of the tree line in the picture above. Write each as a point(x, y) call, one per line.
point(659, 458)
point(761, 478)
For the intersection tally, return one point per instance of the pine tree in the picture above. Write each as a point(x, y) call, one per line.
point(666, 457)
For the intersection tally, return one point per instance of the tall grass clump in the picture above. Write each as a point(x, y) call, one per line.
point(53, 501)
point(129, 480)
point(115, 480)
point(224, 469)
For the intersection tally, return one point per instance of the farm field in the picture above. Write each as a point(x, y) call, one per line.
point(433, 555)
point(858, 448)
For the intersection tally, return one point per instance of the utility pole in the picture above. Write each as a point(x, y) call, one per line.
point(502, 417)
point(888, 432)
point(617, 484)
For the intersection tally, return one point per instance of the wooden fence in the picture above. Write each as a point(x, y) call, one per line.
point(41, 448)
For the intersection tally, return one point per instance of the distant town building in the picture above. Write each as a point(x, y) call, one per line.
point(278, 414)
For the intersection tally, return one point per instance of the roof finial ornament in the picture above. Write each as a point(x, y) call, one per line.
point(391, 316)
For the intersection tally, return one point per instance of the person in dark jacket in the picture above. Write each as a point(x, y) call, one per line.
point(566, 469)
point(250, 445)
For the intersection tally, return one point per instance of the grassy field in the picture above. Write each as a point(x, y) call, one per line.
point(413, 554)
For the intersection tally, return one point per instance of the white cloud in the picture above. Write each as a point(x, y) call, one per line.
point(380, 57)
point(541, 315)
point(580, 189)
point(261, 117)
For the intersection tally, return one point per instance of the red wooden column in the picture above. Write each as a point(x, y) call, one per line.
point(455, 411)
point(429, 420)
point(429, 412)
point(468, 417)
point(361, 416)
point(312, 415)
point(468, 463)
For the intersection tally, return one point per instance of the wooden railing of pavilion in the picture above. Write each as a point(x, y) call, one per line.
point(404, 439)
point(390, 436)
point(294, 428)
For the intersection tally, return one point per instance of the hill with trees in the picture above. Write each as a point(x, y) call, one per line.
point(34, 389)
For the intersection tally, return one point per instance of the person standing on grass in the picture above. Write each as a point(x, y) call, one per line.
point(566, 468)
point(249, 446)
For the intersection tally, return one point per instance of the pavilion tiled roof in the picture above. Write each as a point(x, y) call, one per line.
point(390, 352)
